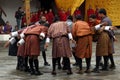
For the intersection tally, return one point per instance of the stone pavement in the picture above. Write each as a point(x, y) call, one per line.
point(8, 71)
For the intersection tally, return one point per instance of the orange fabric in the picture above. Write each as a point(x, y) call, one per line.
point(81, 28)
point(84, 47)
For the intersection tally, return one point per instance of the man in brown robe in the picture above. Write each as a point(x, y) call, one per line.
point(83, 36)
point(60, 33)
point(104, 44)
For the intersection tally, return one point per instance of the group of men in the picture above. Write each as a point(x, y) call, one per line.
point(65, 36)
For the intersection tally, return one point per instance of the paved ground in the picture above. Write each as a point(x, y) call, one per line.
point(8, 71)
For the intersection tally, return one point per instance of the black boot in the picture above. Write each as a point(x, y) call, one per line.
point(65, 65)
point(26, 67)
point(36, 63)
point(68, 66)
point(88, 60)
point(80, 66)
point(45, 60)
point(18, 63)
point(59, 64)
point(105, 67)
point(76, 63)
point(96, 69)
point(112, 66)
point(32, 71)
point(54, 66)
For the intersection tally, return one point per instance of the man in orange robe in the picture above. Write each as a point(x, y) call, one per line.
point(82, 34)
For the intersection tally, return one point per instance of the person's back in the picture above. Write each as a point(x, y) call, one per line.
point(58, 29)
point(82, 28)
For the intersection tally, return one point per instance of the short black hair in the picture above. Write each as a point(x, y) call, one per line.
point(93, 16)
point(102, 11)
point(78, 17)
point(56, 18)
point(19, 8)
point(70, 18)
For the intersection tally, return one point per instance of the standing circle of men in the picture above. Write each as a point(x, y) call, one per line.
point(68, 38)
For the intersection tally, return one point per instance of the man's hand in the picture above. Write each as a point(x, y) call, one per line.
point(41, 37)
point(46, 45)
point(113, 28)
point(6, 44)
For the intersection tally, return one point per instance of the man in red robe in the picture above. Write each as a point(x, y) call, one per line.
point(77, 12)
point(89, 12)
point(68, 12)
point(46, 15)
point(62, 15)
point(51, 16)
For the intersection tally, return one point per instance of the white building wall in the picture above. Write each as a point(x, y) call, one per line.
point(10, 6)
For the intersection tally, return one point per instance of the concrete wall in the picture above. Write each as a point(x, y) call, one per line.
point(10, 6)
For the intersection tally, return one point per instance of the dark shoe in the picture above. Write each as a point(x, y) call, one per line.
point(53, 73)
point(38, 73)
point(69, 72)
point(112, 67)
point(27, 69)
point(80, 72)
point(32, 72)
point(75, 64)
point(46, 64)
point(88, 71)
point(105, 69)
point(95, 70)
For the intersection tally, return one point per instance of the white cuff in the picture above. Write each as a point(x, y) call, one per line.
point(70, 36)
point(42, 34)
point(14, 34)
point(12, 40)
point(97, 27)
point(107, 28)
point(22, 35)
point(21, 41)
point(2, 28)
point(47, 40)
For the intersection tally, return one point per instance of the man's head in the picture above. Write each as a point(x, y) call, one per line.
point(78, 17)
point(70, 18)
point(102, 13)
point(92, 18)
point(20, 9)
point(43, 18)
point(7, 23)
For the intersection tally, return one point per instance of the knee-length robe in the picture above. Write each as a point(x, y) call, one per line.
point(59, 33)
point(32, 40)
point(104, 44)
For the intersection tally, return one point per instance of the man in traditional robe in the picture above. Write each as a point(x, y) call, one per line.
point(18, 51)
point(90, 11)
point(105, 37)
point(60, 33)
point(32, 48)
point(62, 15)
point(51, 16)
point(83, 36)
point(77, 12)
